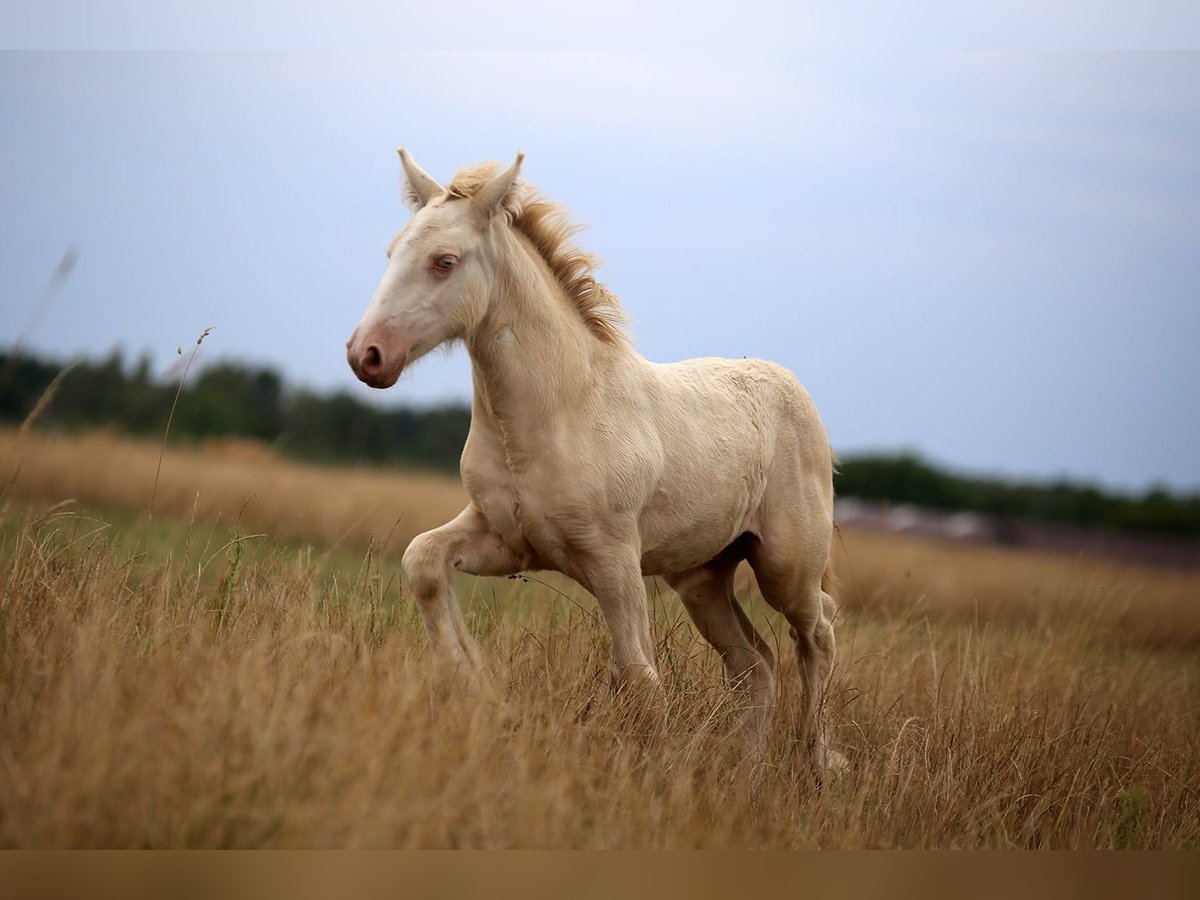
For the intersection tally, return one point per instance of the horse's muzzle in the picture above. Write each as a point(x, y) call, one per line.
point(372, 362)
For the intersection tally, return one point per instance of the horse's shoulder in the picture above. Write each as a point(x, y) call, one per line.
point(739, 375)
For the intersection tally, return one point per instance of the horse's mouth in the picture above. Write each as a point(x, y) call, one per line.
point(385, 379)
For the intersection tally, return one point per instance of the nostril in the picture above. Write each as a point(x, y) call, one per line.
point(372, 359)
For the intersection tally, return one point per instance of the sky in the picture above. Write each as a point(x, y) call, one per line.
point(990, 257)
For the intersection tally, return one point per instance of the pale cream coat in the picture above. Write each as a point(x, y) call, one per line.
point(585, 458)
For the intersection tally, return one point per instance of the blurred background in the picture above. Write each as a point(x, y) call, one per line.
point(983, 265)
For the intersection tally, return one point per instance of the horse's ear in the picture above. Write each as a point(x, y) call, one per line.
point(490, 198)
point(419, 186)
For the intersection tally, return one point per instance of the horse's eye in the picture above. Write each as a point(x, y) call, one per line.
point(446, 263)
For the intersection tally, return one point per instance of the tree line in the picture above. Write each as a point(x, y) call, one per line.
point(228, 398)
point(907, 478)
point(233, 399)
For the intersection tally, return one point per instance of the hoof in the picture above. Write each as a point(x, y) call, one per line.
point(836, 765)
point(831, 768)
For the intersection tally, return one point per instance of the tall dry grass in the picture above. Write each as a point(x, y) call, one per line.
point(236, 483)
point(234, 696)
point(1119, 603)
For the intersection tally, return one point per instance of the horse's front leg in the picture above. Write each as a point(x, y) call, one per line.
point(613, 574)
point(464, 544)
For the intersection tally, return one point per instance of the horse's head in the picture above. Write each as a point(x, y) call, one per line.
point(440, 270)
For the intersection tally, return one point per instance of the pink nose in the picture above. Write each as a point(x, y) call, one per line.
point(372, 364)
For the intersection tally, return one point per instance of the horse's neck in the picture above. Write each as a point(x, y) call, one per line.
point(533, 360)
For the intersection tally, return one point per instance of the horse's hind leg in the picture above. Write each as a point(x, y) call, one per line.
point(789, 563)
point(708, 596)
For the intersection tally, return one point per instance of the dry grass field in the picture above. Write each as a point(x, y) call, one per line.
point(246, 670)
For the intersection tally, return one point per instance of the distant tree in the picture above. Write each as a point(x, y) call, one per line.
point(232, 399)
point(22, 381)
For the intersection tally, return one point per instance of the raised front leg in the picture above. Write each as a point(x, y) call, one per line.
point(465, 544)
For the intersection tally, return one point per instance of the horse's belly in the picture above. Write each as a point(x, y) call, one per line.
point(684, 554)
point(676, 543)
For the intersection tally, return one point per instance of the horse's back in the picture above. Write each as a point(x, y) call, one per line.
point(756, 400)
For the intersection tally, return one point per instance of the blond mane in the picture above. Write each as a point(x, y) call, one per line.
point(550, 229)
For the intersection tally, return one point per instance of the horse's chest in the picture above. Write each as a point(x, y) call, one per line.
point(519, 513)
point(500, 503)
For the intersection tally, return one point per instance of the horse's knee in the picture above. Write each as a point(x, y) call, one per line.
point(814, 638)
point(803, 630)
point(425, 564)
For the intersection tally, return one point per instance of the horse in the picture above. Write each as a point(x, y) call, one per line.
point(585, 458)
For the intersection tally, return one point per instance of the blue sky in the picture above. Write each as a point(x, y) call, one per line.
point(991, 257)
